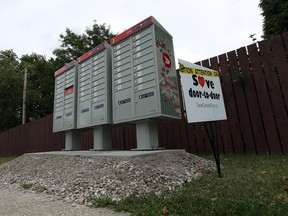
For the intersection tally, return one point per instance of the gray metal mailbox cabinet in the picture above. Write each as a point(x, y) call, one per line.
point(144, 81)
point(94, 82)
point(94, 108)
point(65, 101)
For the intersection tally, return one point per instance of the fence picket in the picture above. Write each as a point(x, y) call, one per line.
point(240, 99)
point(275, 94)
point(264, 101)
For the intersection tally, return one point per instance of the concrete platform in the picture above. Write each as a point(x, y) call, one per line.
point(125, 155)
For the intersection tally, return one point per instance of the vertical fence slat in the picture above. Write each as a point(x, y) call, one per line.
point(200, 138)
point(129, 138)
point(183, 135)
point(282, 68)
point(240, 99)
point(170, 135)
point(273, 141)
point(231, 106)
point(191, 138)
point(274, 92)
point(281, 64)
point(119, 138)
point(162, 139)
point(114, 145)
point(253, 106)
point(176, 134)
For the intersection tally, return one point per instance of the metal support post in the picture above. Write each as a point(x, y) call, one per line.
point(72, 140)
point(102, 138)
point(147, 135)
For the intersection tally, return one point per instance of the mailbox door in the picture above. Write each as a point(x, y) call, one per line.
point(101, 87)
point(144, 74)
point(94, 107)
point(69, 98)
point(58, 103)
point(123, 100)
point(84, 93)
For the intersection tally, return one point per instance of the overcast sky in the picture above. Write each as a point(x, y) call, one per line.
point(200, 28)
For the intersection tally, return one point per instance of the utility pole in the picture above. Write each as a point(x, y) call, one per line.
point(24, 96)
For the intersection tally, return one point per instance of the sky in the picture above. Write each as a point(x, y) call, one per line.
point(201, 29)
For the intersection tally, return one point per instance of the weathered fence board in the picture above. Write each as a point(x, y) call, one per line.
point(252, 102)
point(264, 100)
point(241, 103)
point(275, 95)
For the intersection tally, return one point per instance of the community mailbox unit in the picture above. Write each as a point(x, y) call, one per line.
point(65, 97)
point(65, 102)
point(144, 74)
point(94, 94)
point(94, 81)
point(144, 81)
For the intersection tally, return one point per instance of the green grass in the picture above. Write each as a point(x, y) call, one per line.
point(6, 159)
point(252, 185)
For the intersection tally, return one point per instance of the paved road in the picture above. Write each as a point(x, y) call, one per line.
point(17, 203)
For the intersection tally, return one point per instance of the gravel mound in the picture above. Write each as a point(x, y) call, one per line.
point(78, 179)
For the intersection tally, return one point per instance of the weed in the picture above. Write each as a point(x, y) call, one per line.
point(103, 202)
point(27, 186)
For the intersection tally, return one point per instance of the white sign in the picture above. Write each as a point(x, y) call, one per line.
point(202, 93)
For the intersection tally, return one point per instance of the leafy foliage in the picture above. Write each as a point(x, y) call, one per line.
point(10, 90)
point(74, 45)
point(40, 85)
point(275, 15)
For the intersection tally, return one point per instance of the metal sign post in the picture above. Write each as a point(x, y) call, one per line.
point(203, 100)
point(214, 145)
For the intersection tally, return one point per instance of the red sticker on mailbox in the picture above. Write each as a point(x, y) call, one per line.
point(167, 60)
point(68, 90)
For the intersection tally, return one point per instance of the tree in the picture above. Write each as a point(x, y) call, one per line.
point(10, 90)
point(275, 13)
point(74, 45)
point(40, 86)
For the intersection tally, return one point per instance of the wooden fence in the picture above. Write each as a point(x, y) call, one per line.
point(255, 87)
